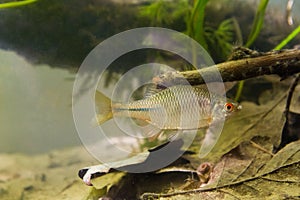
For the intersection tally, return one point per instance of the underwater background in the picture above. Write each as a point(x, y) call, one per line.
point(43, 44)
point(37, 74)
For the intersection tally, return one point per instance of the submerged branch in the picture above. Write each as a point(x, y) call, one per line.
point(283, 63)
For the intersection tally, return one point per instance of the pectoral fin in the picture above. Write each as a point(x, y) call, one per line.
point(212, 135)
point(151, 132)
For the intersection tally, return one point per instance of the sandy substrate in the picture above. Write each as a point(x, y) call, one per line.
point(47, 176)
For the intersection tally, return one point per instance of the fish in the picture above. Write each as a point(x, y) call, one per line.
point(181, 107)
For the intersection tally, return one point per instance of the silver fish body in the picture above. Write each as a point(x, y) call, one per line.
point(175, 108)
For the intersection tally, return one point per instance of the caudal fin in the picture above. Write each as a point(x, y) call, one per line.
point(104, 111)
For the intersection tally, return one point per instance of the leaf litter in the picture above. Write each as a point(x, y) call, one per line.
point(244, 166)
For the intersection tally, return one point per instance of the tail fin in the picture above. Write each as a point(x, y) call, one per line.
point(104, 112)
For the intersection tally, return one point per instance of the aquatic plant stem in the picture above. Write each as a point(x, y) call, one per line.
point(288, 38)
point(239, 90)
point(258, 22)
point(195, 27)
point(16, 3)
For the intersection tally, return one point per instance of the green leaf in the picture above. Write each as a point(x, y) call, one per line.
point(16, 3)
point(288, 38)
point(196, 23)
point(257, 23)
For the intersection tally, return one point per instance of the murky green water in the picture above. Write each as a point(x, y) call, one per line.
point(35, 103)
point(35, 106)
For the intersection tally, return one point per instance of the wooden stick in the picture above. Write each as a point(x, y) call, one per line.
point(283, 63)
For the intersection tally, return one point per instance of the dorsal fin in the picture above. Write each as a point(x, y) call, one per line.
point(152, 89)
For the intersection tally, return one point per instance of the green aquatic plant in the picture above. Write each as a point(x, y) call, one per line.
point(16, 3)
point(255, 30)
point(195, 24)
point(181, 15)
point(286, 40)
point(257, 23)
point(220, 40)
point(165, 13)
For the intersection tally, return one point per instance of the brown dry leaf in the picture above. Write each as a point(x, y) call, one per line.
point(248, 171)
point(249, 178)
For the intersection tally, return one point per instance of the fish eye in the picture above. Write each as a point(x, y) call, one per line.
point(229, 107)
